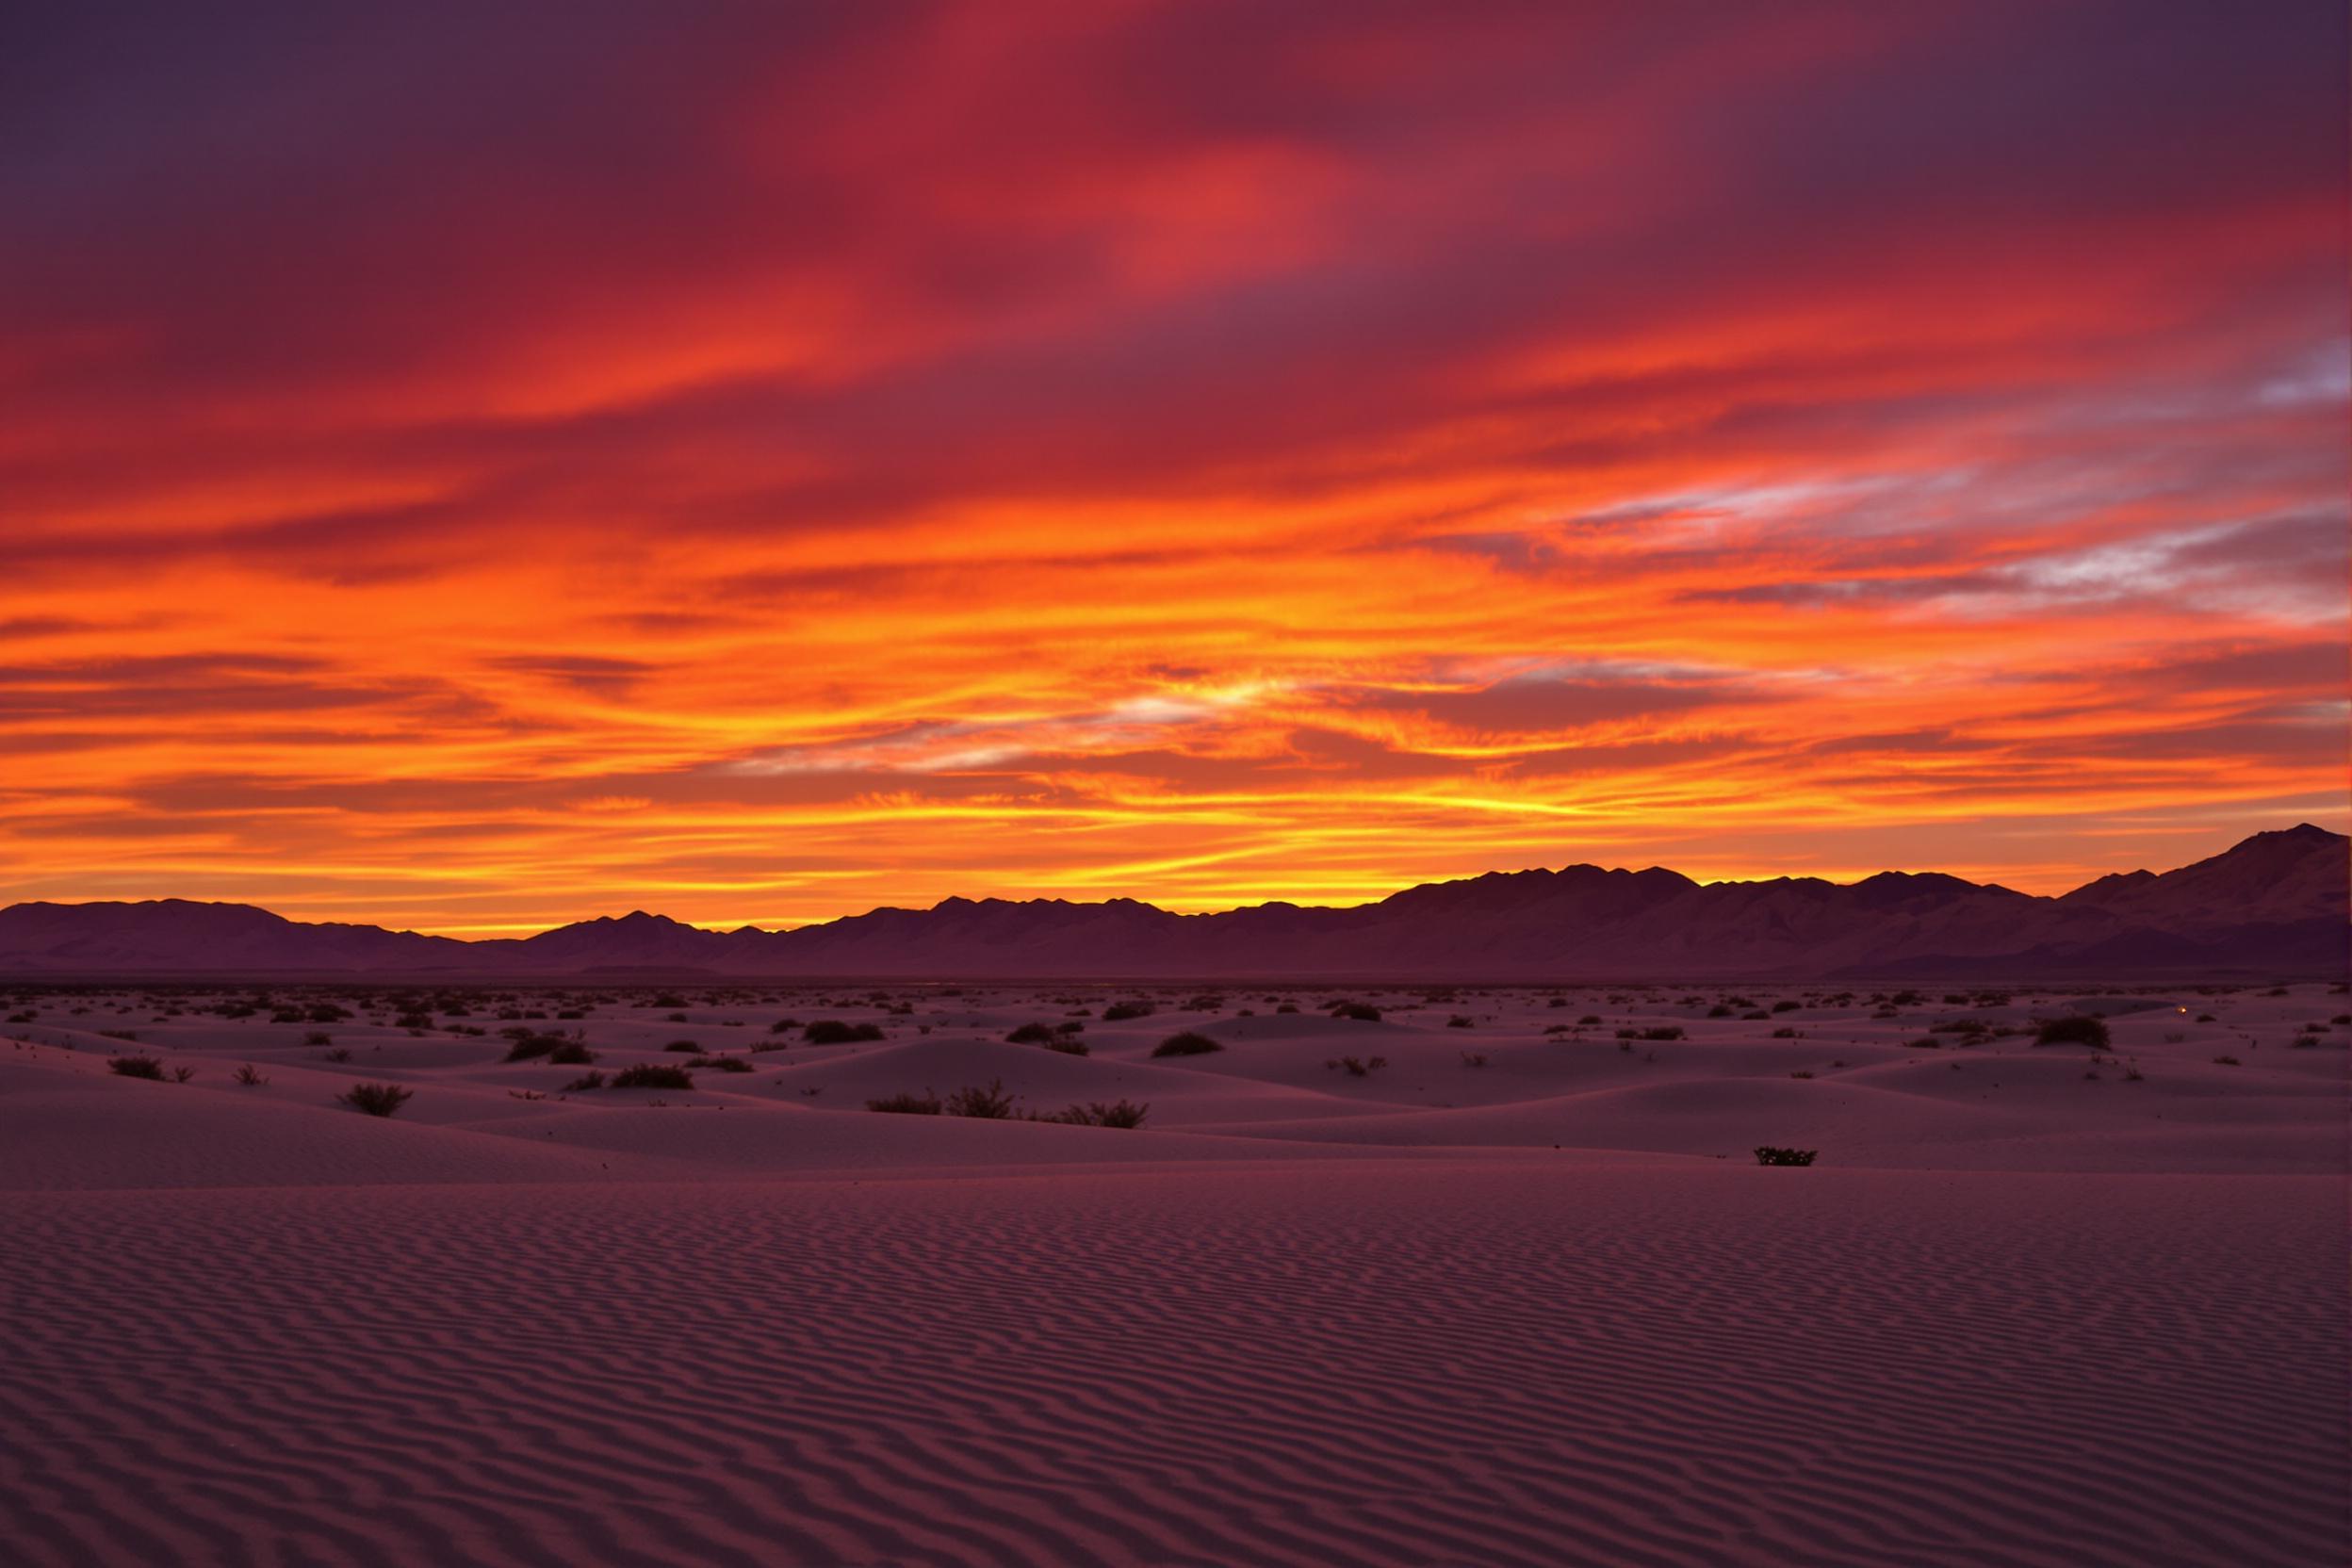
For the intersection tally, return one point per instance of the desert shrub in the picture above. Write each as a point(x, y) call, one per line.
point(1786, 1032)
point(1787, 1006)
point(667, 999)
point(683, 1046)
point(2304, 1042)
point(136, 1067)
point(571, 1054)
point(2074, 1029)
point(1459, 1020)
point(326, 1012)
point(1204, 1005)
point(651, 1075)
point(1589, 1019)
point(1800, 1075)
point(2227, 1061)
point(1357, 1069)
point(1119, 1012)
point(1474, 1058)
point(1126, 1113)
point(375, 1098)
point(1189, 1043)
point(584, 1083)
point(783, 1026)
point(1661, 1032)
point(250, 1076)
point(722, 1064)
point(1032, 1033)
point(1925, 1042)
point(833, 1031)
point(317, 1037)
point(1068, 1045)
point(1719, 1010)
point(1768, 1154)
point(990, 1104)
point(907, 1105)
point(414, 1021)
point(528, 1047)
point(340, 1053)
point(1362, 1012)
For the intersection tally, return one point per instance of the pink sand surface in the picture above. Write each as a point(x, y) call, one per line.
point(1543, 1308)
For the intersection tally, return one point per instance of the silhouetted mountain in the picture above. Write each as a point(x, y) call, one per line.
point(2275, 903)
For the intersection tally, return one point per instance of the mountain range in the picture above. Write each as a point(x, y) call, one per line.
point(2275, 904)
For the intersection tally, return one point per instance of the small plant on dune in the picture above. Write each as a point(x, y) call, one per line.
point(1925, 1042)
point(1474, 1058)
point(136, 1067)
point(182, 1074)
point(2304, 1042)
point(571, 1054)
point(907, 1105)
point(722, 1064)
point(317, 1037)
point(1119, 1012)
point(833, 1031)
point(651, 1075)
point(1768, 1154)
point(1356, 1069)
point(690, 1046)
point(584, 1083)
point(990, 1104)
point(783, 1026)
point(1126, 1113)
point(250, 1076)
point(375, 1098)
point(1459, 1020)
point(2074, 1029)
point(1068, 1045)
point(340, 1053)
point(1189, 1043)
point(2227, 1061)
point(1362, 1012)
point(1032, 1033)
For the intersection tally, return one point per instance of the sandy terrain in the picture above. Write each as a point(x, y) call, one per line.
point(1519, 1294)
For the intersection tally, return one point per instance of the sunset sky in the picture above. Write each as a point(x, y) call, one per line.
point(473, 467)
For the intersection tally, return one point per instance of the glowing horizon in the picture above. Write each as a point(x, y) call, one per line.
point(470, 479)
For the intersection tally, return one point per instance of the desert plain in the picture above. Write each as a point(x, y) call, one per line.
point(1493, 1277)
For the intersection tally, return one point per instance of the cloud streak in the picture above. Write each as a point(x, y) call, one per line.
point(480, 466)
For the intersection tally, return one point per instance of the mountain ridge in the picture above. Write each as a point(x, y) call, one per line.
point(2275, 902)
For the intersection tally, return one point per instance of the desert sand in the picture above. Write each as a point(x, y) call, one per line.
point(1519, 1293)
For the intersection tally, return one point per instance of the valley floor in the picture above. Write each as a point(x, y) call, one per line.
point(1542, 1308)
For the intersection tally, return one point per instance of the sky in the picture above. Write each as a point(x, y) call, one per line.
point(474, 466)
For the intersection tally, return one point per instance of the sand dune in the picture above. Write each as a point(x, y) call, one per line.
point(1537, 1308)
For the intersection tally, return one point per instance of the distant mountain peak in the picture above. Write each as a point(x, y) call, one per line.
point(2274, 903)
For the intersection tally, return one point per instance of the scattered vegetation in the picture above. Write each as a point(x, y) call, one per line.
point(249, 1076)
point(1356, 1069)
point(651, 1075)
point(2074, 1029)
point(1119, 1012)
point(1125, 1113)
point(990, 1104)
point(1769, 1154)
point(136, 1067)
point(1189, 1043)
point(584, 1083)
point(833, 1031)
point(375, 1098)
point(907, 1105)
point(1362, 1012)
